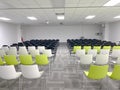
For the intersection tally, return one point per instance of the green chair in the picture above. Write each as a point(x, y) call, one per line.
point(75, 48)
point(87, 48)
point(96, 72)
point(106, 47)
point(1, 62)
point(41, 59)
point(116, 48)
point(115, 74)
point(11, 60)
point(97, 48)
point(26, 59)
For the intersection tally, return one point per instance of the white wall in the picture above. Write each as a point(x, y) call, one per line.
point(11, 33)
point(114, 31)
point(8, 33)
point(60, 32)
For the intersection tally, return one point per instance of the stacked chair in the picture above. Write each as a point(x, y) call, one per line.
point(11, 60)
point(89, 44)
point(45, 44)
point(95, 72)
point(98, 61)
point(97, 48)
point(93, 52)
point(75, 48)
point(8, 73)
point(28, 65)
point(2, 53)
point(28, 57)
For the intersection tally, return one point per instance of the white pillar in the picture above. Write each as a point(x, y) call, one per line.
point(106, 32)
point(19, 35)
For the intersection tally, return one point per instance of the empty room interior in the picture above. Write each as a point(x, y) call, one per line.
point(59, 44)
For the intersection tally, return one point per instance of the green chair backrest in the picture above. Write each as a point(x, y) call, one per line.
point(116, 47)
point(75, 48)
point(98, 72)
point(116, 72)
point(97, 48)
point(42, 59)
point(87, 48)
point(26, 59)
point(107, 47)
point(11, 60)
point(1, 62)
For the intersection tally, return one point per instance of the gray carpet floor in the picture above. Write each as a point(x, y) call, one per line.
point(64, 75)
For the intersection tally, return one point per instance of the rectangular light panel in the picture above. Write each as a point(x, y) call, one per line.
point(4, 18)
point(90, 17)
point(31, 18)
point(112, 3)
point(117, 16)
point(60, 17)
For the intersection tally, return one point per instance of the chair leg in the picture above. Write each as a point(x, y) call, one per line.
point(100, 84)
point(43, 86)
point(49, 68)
point(45, 82)
point(8, 84)
point(76, 67)
point(20, 83)
point(119, 85)
point(107, 83)
point(54, 59)
point(84, 82)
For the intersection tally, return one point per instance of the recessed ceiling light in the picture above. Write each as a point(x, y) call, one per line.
point(32, 18)
point(90, 17)
point(117, 16)
point(112, 3)
point(4, 18)
point(60, 17)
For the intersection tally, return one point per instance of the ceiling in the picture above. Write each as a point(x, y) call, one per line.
point(75, 11)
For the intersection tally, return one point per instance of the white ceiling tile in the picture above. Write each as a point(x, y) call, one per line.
point(71, 1)
point(58, 3)
point(59, 10)
point(13, 3)
point(75, 11)
point(71, 5)
point(69, 11)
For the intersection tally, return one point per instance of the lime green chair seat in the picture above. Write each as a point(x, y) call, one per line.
point(98, 48)
point(107, 47)
point(75, 48)
point(87, 48)
point(42, 59)
point(97, 72)
point(116, 73)
point(11, 60)
point(26, 59)
point(116, 47)
point(1, 62)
